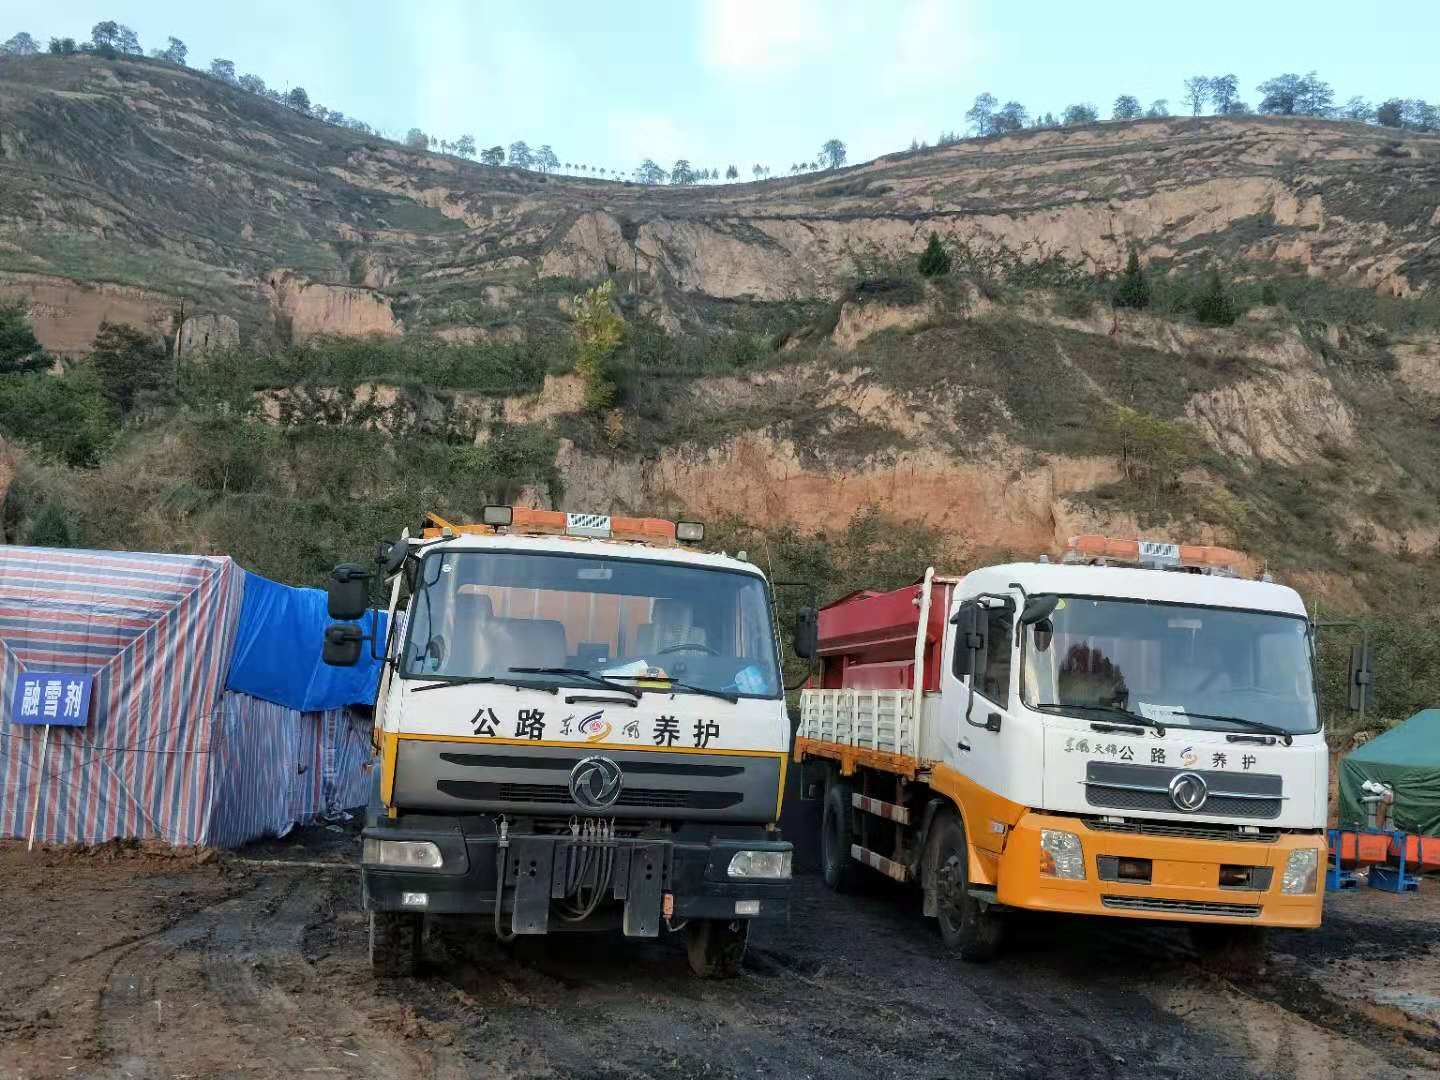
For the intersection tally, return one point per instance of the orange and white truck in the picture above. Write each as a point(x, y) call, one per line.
point(1130, 731)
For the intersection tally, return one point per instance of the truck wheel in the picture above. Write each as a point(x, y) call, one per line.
point(1230, 951)
point(717, 946)
point(396, 940)
point(841, 871)
point(969, 928)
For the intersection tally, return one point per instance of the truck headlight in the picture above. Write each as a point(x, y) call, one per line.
point(409, 854)
point(773, 865)
point(1302, 869)
point(1061, 855)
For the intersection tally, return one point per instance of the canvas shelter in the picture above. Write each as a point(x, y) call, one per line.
point(1407, 757)
point(210, 720)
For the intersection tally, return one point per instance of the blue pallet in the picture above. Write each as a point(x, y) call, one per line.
point(1393, 879)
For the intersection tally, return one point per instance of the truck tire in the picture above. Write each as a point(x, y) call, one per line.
point(841, 871)
point(717, 946)
point(969, 929)
point(396, 940)
point(1229, 951)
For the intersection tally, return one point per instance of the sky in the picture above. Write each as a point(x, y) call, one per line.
point(722, 82)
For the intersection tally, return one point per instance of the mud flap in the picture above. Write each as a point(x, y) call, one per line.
point(532, 860)
point(644, 890)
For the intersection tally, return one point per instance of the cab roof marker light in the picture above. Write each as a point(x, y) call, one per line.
point(1096, 550)
point(592, 525)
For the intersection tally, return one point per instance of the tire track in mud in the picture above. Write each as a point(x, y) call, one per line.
point(226, 992)
point(854, 988)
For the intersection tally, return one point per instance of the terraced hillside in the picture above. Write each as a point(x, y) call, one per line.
point(403, 339)
point(158, 179)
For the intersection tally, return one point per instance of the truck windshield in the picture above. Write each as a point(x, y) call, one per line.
point(484, 613)
point(1172, 662)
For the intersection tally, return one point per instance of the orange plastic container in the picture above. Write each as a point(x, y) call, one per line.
point(1422, 853)
point(1362, 849)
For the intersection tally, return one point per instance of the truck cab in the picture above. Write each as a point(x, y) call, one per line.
point(1110, 735)
point(581, 725)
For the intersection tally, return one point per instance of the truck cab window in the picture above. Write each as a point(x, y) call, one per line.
point(996, 683)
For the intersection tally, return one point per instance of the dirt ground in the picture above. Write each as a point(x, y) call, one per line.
point(120, 963)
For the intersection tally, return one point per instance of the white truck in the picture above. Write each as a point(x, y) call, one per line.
point(581, 725)
point(1130, 732)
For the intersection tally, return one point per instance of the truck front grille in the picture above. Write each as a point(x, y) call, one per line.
point(559, 795)
point(1186, 832)
point(1122, 786)
point(1181, 907)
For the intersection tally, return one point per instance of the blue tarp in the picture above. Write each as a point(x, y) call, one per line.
point(278, 644)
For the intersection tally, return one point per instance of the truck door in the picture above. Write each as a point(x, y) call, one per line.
point(978, 717)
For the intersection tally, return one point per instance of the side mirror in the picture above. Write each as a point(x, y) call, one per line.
point(972, 641)
point(806, 637)
point(391, 556)
point(1362, 678)
point(1044, 635)
point(342, 644)
point(1038, 607)
point(349, 592)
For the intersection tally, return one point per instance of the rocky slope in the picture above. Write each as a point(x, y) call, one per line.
point(137, 192)
point(142, 175)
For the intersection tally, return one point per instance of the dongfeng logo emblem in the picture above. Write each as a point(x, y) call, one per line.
point(595, 783)
point(1187, 791)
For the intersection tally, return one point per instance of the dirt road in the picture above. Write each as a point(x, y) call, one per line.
point(121, 964)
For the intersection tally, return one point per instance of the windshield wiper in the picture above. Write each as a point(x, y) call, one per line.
point(1253, 725)
point(676, 684)
point(1109, 710)
point(581, 673)
point(467, 680)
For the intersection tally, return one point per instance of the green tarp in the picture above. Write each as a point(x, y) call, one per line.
point(1407, 757)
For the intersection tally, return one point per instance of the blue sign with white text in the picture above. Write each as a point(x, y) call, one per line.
point(51, 697)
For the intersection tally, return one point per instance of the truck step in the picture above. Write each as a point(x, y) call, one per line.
point(889, 811)
point(876, 861)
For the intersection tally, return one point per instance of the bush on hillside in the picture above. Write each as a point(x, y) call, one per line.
point(1151, 452)
point(1133, 289)
point(1214, 305)
point(64, 417)
point(131, 365)
point(934, 260)
point(20, 352)
point(599, 333)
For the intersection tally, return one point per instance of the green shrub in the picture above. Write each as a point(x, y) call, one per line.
point(1151, 452)
point(934, 260)
point(599, 332)
point(1133, 289)
point(20, 352)
point(65, 417)
point(131, 365)
point(1214, 305)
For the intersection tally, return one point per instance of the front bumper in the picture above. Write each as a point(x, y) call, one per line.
point(1184, 877)
point(680, 874)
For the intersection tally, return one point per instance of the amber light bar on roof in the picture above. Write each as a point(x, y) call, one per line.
point(655, 531)
point(1092, 548)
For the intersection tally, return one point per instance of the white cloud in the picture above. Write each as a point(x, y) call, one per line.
point(933, 38)
point(747, 36)
point(635, 136)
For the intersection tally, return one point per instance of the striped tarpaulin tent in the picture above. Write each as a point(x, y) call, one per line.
point(275, 768)
point(168, 753)
point(156, 633)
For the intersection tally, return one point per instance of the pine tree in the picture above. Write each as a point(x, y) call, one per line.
point(1215, 306)
point(1134, 288)
point(934, 260)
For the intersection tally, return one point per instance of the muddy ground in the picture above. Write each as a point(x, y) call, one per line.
point(119, 963)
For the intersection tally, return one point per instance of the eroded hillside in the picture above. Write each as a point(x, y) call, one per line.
point(176, 185)
point(785, 369)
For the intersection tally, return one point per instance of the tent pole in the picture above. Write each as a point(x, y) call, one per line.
point(39, 778)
